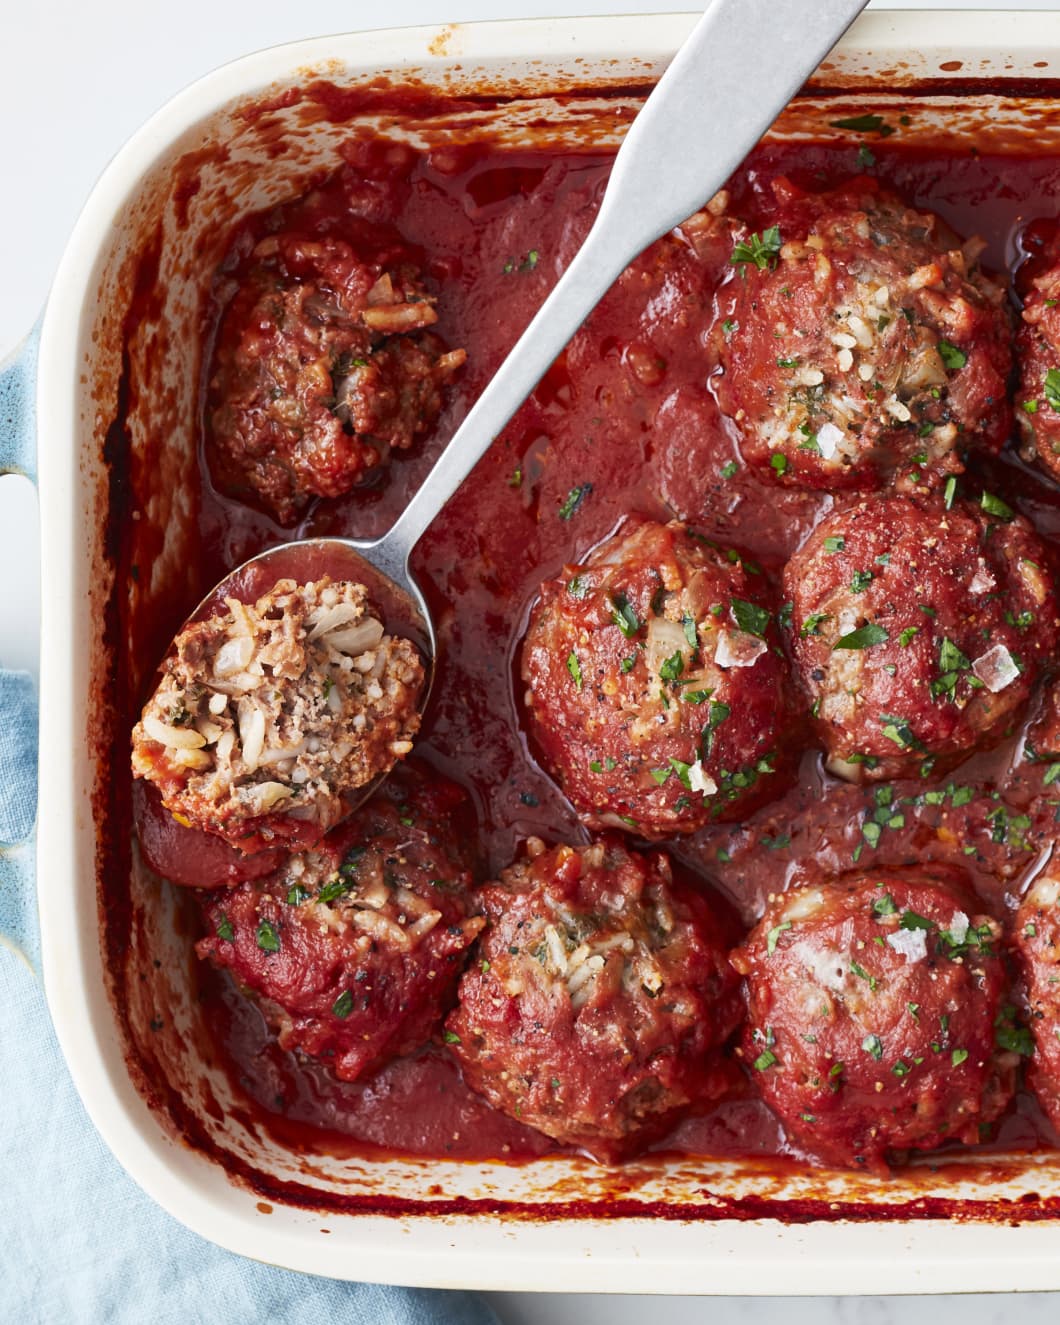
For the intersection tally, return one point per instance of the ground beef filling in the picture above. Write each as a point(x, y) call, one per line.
point(269, 713)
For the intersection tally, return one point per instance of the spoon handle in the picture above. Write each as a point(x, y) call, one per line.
point(740, 66)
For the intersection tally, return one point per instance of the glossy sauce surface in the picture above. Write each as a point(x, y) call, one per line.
point(600, 439)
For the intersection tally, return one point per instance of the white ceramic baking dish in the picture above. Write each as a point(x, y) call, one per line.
point(448, 1231)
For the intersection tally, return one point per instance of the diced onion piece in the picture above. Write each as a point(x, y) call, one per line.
point(828, 439)
point(738, 648)
point(364, 635)
point(803, 904)
point(218, 703)
point(1045, 894)
point(996, 668)
point(331, 617)
point(911, 943)
point(700, 781)
point(233, 656)
point(665, 638)
point(982, 581)
point(173, 738)
point(193, 759)
point(959, 924)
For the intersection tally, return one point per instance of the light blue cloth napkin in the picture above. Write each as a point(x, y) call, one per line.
point(80, 1244)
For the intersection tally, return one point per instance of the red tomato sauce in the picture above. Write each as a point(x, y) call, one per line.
point(596, 442)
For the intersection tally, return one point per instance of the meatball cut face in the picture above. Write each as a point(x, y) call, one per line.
point(1036, 934)
point(323, 366)
point(862, 339)
point(656, 687)
point(599, 998)
point(918, 632)
point(1038, 357)
point(354, 949)
point(872, 1004)
point(270, 713)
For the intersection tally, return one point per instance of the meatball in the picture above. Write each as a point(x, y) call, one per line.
point(1038, 356)
point(918, 632)
point(862, 338)
point(655, 685)
point(323, 366)
point(269, 713)
point(872, 1000)
point(1036, 936)
point(600, 998)
point(354, 949)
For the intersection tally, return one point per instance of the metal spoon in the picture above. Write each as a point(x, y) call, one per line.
point(740, 66)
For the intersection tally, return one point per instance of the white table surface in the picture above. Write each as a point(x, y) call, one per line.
point(77, 77)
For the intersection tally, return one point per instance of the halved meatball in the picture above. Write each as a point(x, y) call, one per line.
point(872, 1007)
point(918, 632)
point(655, 684)
point(353, 949)
point(323, 365)
point(268, 714)
point(599, 998)
point(862, 338)
point(1038, 354)
point(1036, 937)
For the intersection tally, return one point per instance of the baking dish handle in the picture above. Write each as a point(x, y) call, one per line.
point(19, 926)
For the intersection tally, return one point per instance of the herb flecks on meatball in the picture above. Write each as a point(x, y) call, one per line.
point(1038, 355)
point(918, 631)
point(874, 1002)
point(1036, 937)
point(599, 996)
point(324, 365)
point(862, 340)
point(267, 714)
point(353, 949)
point(655, 683)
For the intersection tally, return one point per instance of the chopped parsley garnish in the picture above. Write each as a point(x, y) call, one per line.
point(774, 934)
point(729, 469)
point(575, 669)
point(333, 890)
point(866, 158)
point(763, 250)
point(671, 668)
point(224, 929)
point(1017, 1039)
point(343, 1005)
point(811, 626)
point(905, 638)
point(835, 544)
point(689, 624)
point(861, 581)
point(779, 462)
point(749, 616)
point(949, 492)
point(451, 1037)
point(995, 506)
point(958, 1057)
point(268, 939)
point(729, 326)
point(719, 713)
point(897, 730)
point(864, 124)
point(1051, 389)
point(865, 637)
point(901, 1069)
point(951, 356)
point(578, 586)
point(912, 920)
point(623, 615)
point(765, 1059)
point(884, 906)
point(574, 499)
point(296, 895)
point(627, 664)
point(873, 1046)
